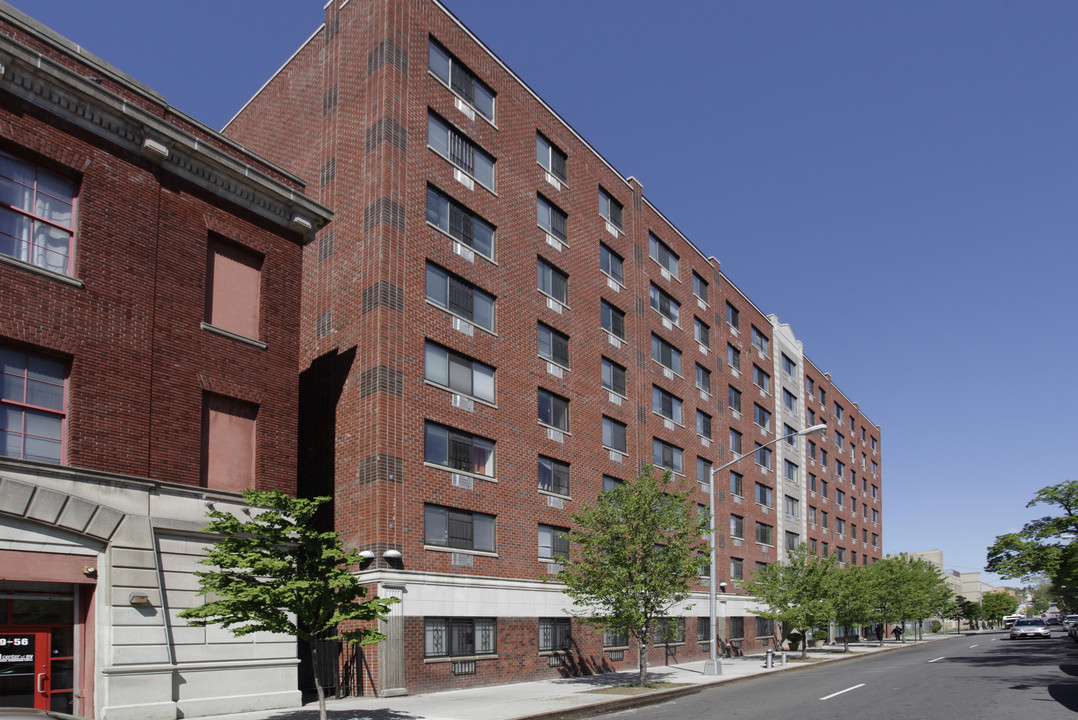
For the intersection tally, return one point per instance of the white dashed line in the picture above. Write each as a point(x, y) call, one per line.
point(972, 646)
point(828, 697)
point(937, 659)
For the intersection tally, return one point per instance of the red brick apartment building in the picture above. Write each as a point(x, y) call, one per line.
point(496, 325)
point(150, 273)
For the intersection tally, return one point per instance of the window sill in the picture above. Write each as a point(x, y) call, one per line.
point(566, 368)
point(564, 305)
point(446, 468)
point(437, 229)
point(449, 312)
point(551, 493)
point(464, 551)
point(619, 452)
point(542, 424)
point(44, 272)
point(459, 658)
point(464, 172)
point(455, 94)
point(546, 653)
point(234, 336)
point(481, 401)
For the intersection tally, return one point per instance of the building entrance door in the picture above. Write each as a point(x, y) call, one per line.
point(24, 669)
point(37, 646)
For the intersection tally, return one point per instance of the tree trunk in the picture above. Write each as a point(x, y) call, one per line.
point(643, 663)
point(317, 682)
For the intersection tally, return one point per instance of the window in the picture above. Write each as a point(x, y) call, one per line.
point(553, 410)
point(810, 385)
point(703, 379)
point(765, 534)
point(663, 255)
point(875, 468)
point(234, 278)
point(823, 489)
point(764, 495)
point(765, 627)
point(840, 554)
point(33, 406)
point(458, 450)
point(735, 442)
point(665, 404)
point(840, 440)
point(863, 436)
point(823, 519)
point(812, 449)
point(553, 542)
point(699, 287)
point(553, 475)
point(872, 442)
point(812, 515)
point(553, 345)
point(821, 395)
point(460, 297)
point(811, 414)
point(613, 638)
point(761, 417)
point(853, 422)
point(37, 215)
point(703, 424)
point(789, 434)
point(789, 367)
point(613, 320)
point(737, 572)
point(763, 456)
point(792, 506)
point(812, 482)
point(789, 400)
point(555, 634)
point(703, 471)
point(875, 540)
point(840, 497)
point(459, 150)
point(838, 411)
point(760, 341)
point(614, 435)
point(737, 627)
point(823, 458)
point(551, 157)
point(840, 469)
point(609, 483)
point(553, 282)
point(875, 515)
point(761, 379)
point(461, 80)
point(734, 400)
point(703, 629)
point(665, 455)
point(665, 354)
point(733, 317)
point(459, 637)
point(825, 548)
point(228, 460)
point(610, 209)
point(737, 484)
point(875, 492)
point(702, 332)
point(459, 373)
point(792, 540)
point(669, 630)
point(789, 471)
point(460, 223)
point(667, 306)
point(737, 526)
point(458, 529)
point(733, 358)
point(551, 218)
point(611, 263)
point(840, 526)
point(812, 545)
point(613, 377)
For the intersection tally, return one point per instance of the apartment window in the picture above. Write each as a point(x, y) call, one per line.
point(735, 442)
point(733, 357)
point(665, 354)
point(613, 320)
point(872, 442)
point(811, 415)
point(461, 80)
point(875, 468)
point(875, 515)
point(669, 630)
point(459, 150)
point(823, 458)
point(459, 637)
point(459, 373)
point(734, 400)
point(765, 534)
point(458, 450)
point(789, 471)
point(853, 504)
point(667, 306)
point(553, 475)
point(555, 634)
point(792, 506)
point(667, 456)
point(703, 471)
point(792, 540)
point(703, 424)
point(553, 410)
point(665, 404)
point(737, 484)
point(610, 483)
point(613, 377)
point(760, 341)
point(812, 545)
point(737, 572)
point(700, 287)
point(460, 223)
point(838, 411)
point(703, 378)
point(610, 209)
point(765, 627)
point(823, 489)
point(825, 547)
point(789, 434)
point(737, 526)
point(763, 456)
point(823, 519)
point(614, 435)
point(733, 317)
point(840, 526)
point(611, 263)
point(551, 218)
point(552, 281)
point(553, 542)
point(840, 497)
point(553, 345)
point(460, 297)
point(853, 423)
point(789, 400)
point(761, 379)
point(761, 417)
point(812, 515)
point(840, 469)
point(821, 395)
point(703, 629)
point(663, 255)
point(875, 492)
point(551, 157)
point(702, 332)
point(840, 554)
point(812, 449)
point(812, 482)
point(789, 367)
point(615, 638)
point(764, 495)
point(863, 436)
point(458, 529)
point(37, 215)
point(810, 385)
point(33, 406)
point(875, 540)
point(228, 459)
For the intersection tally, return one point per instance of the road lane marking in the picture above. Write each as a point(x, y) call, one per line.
point(941, 657)
point(973, 646)
point(828, 697)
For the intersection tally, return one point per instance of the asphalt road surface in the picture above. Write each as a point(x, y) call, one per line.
point(968, 677)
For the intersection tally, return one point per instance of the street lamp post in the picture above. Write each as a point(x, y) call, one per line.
point(712, 666)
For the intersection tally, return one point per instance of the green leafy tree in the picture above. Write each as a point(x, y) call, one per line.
point(853, 598)
point(998, 605)
point(1045, 545)
point(929, 594)
point(797, 591)
point(969, 611)
point(634, 555)
point(907, 589)
point(273, 572)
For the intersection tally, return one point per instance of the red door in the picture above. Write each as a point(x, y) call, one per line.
point(24, 669)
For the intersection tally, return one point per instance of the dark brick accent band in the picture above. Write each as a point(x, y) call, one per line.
point(380, 467)
point(380, 379)
point(389, 130)
point(383, 294)
point(383, 210)
point(387, 51)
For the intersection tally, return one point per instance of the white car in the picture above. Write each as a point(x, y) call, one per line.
point(1030, 627)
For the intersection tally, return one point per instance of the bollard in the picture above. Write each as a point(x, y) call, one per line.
point(769, 659)
point(784, 658)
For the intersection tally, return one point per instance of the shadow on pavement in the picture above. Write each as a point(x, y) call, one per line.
point(310, 713)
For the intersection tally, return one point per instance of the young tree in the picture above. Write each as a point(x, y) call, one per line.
point(998, 605)
point(274, 572)
point(796, 592)
point(853, 598)
point(633, 555)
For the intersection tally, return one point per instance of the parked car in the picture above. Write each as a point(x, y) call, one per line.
point(1069, 621)
point(1052, 621)
point(1030, 627)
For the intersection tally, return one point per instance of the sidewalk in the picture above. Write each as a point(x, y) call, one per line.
point(564, 698)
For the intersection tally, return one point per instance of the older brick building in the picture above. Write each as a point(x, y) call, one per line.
point(150, 274)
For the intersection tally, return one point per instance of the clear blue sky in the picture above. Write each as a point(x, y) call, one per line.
point(896, 180)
